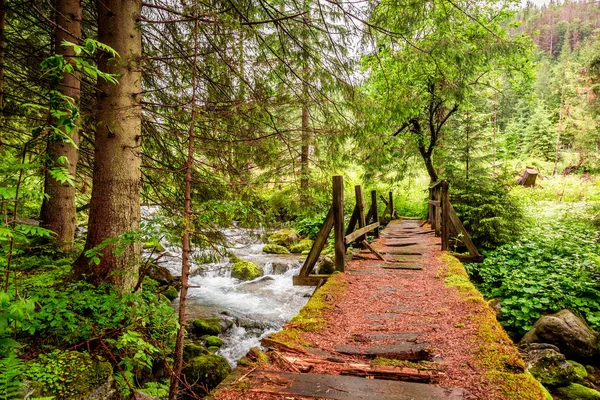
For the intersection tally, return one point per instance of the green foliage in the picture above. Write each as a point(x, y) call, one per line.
point(554, 265)
point(11, 369)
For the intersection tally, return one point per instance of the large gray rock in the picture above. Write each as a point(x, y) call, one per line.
point(548, 366)
point(566, 331)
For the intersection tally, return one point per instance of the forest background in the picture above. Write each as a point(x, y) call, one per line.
point(226, 111)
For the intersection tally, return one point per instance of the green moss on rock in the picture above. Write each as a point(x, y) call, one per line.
point(207, 370)
point(213, 349)
point(171, 293)
point(192, 350)
point(576, 391)
point(207, 326)
point(301, 246)
point(283, 237)
point(245, 271)
point(275, 249)
point(580, 370)
point(214, 341)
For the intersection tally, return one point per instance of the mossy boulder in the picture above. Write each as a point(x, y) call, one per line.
point(550, 367)
point(566, 331)
point(214, 341)
point(71, 375)
point(154, 245)
point(213, 349)
point(207, 326)
point(301, 246)
point(193, 350)
point(171, 293)
point(161, 274)
point(245, 271)
point(275, 249)
point(283, 237)
point(580, 370)
point(326, 266)
point(576, 391)
point(207, 370)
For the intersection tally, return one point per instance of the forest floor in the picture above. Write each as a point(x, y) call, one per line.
point(413, 325)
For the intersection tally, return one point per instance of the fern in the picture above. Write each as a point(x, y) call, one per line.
point(11, 368)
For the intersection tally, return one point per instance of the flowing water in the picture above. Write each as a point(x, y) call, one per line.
point(254, 308)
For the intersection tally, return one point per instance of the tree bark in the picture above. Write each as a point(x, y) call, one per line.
point(115, 202)
point(58, 211)
point(2, 47)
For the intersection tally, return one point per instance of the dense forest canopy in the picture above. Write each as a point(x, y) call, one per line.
point(127, 124)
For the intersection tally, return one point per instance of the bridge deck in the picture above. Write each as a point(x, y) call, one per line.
point(413, 324)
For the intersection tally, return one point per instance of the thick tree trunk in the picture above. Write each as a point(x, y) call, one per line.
point(115, 203)
point(2, 47)
point(433, 176)
point(58, 208)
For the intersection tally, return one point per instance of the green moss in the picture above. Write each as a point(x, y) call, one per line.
point(213, 349)
point(580, 370)
point(154, 245)
point(421, 365)
point(214, 341)
point(496, 353)
point(311, 317)
point(207, 326)
point(301, 246)
point(284, 237)
point(245, 271)
point(207, 370)
point(576, 391)
point(275, 249)
point(192, 350)
point(68, 374)
point(171, 293)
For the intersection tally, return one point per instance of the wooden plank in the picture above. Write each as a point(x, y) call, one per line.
point(343, 387)
point(318, 245)
point(435, 203)
point(353, 221)
point(338, 223)
point(438, 213)
point(374, 211)
point(445, 219)
point(310, 280)
point(360, 202)
point(466, 238)
point(385, 201)
point(360, 232)
point(392, 210)
point(372, 250)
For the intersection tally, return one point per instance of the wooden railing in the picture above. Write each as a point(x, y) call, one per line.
point(445, 223)
point(343, 238)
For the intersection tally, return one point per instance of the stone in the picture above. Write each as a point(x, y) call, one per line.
point(192, 350)
point(580, 370)
point(160, 274)
point(213, 341)
point(301, 246)
point(207, 370)
point(171, 293)
point(275, 249)
point(283, 237)
point(549, 366)
point(154, 245)
point(566, 331)
point(576, 391)
point(245, 271)
point(207, 326)
point(280, 268)
point(213, 349)
point(496, 306)
point(145, 396)
point(326, 266)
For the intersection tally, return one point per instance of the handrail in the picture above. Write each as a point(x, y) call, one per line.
point(444, 221)
point(368, 223)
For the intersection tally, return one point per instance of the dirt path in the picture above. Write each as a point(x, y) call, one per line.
point(413, 325)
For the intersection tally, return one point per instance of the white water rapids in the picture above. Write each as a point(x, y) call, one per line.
point(256, 308)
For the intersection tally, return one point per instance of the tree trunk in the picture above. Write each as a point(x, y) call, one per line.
point(433, 176)
point(115, 203)
point(305, 154)
point(58, 208)
point(2, 47)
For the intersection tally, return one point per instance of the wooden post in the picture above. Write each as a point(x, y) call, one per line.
point(360, 203)
point(375, 216)
point(338, 223)
point(392, 211)
point(438, 212)
point(430, 208)
point(445, 203)
point(432, 220)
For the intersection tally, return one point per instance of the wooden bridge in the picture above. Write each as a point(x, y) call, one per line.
point(401, 322)
point(441, 217)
